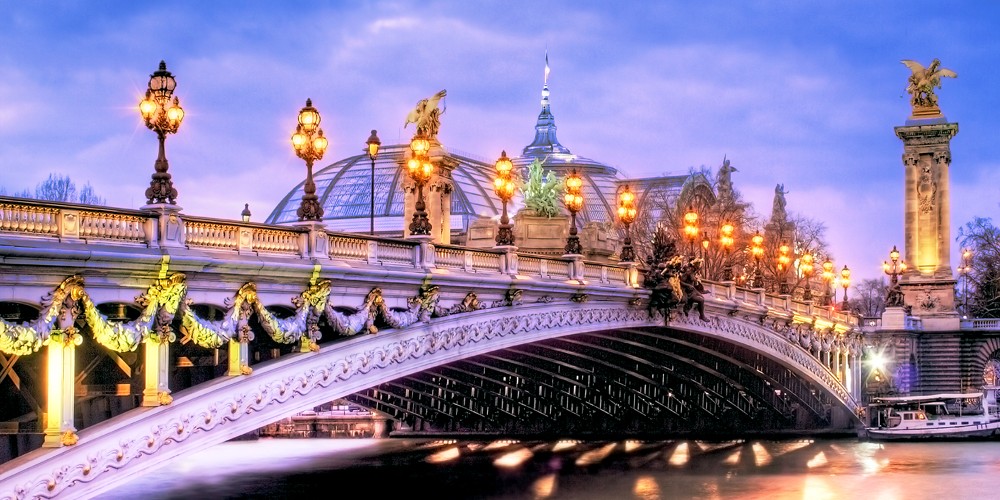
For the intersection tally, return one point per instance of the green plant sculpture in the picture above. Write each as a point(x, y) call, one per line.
point(541, 191)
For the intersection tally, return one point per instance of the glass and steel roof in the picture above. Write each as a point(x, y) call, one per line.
point(344, 189)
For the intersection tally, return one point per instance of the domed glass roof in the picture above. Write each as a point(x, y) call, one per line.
point(344, 189)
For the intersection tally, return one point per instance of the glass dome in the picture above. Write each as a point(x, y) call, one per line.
point(344, 189)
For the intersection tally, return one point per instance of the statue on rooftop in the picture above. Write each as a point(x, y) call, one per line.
point(427, 116)
point(726, 194)
point(778, 210)
point(923, 81)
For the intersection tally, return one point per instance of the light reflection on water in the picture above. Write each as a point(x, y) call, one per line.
point(772, 470)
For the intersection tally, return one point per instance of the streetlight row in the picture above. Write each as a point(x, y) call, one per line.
point(164, 115)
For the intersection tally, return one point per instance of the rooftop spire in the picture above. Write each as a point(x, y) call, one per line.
point(545, 129)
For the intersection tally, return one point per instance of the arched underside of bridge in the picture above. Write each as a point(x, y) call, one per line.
point(648, 381)
point(560, 367)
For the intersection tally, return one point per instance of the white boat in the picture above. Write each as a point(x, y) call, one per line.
point(958, 416)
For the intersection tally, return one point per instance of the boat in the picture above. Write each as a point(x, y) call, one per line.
point(946, 416)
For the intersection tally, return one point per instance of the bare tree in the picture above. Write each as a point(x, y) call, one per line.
point(58, 187)
point(983, 277)
point(869, 297)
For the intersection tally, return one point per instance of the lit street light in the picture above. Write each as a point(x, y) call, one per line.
point(806, 268)
point(828, 277)
point(309, 145)
point(845, 281)
point(162, 116)
point(726, 240)
point(504, 187)
point(372, 148)
point(626, 214)
point(691, 227)
point(783, 264)
point(245, 214)
point(573, 199)
point(757, 250)
point(420, 169)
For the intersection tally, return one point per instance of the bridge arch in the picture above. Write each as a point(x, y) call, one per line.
point(222, 409)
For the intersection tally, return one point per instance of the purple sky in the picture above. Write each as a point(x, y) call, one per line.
point(800, 93)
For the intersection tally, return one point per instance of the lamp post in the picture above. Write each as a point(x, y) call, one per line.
point(162, 116)
point(845, 281)
point(420, 169)
point(806, 268)
point(626, 214)
point(245, 214)
point(691, 227)
point(964, 270)
point(757, 250)
point(573, 199)
point(783, 261)
point(726, 240)
point(309, 144)
point(373, 144)
point(894, 267)
point(828, 276)
point(504, 186)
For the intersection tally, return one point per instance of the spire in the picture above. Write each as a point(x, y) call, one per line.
point(545, 129)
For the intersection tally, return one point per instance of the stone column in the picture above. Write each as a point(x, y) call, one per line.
point(928, 283)
point(157, 390)
point(60, 390)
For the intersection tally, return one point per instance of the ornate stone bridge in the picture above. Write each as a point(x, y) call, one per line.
point(145, 335)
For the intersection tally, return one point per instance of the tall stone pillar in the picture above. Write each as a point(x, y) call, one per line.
point(437, 195)
point(928, 285)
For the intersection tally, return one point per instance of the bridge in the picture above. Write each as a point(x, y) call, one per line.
point(111, 314)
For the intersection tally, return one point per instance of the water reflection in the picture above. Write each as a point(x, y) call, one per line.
point(509, 469)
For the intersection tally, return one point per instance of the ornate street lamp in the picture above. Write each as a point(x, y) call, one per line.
point(573, 199)
point(373, 144)
point(828, 276)
point(162, 116)
point(245, 214)
point(894, 267)
point(309, 144)
point(691, 227)
point(845, 281)
point(420, 168)
point(504, 187)
point(757, 250)
point(964, 270)
point(705, 242)
point(726, 240)
point(806, 268)
point(626, 214)
point(783, 261)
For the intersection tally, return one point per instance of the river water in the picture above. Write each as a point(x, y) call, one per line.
point(441, 469)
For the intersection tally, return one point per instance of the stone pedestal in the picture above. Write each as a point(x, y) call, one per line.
point(599, 241)
point(482, 233)
point(540, 235)
point(893, 318)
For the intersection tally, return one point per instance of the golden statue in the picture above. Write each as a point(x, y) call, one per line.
point(427, 116)
point(922, 83)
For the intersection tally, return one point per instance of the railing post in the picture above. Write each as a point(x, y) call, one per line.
point(245, 240)
point(317, 242)
point(424, 259)
point(575, 267)
point(69, 224)
point(60, 388)
point(508, 261)
point(157, 391)
point(632, 274)
point(169, 224)
point(372, 252)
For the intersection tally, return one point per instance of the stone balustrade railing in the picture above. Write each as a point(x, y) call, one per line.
point(166, 227)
